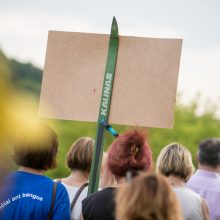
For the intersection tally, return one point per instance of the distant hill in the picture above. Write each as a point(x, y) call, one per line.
point(24, 76)
point(4, 66)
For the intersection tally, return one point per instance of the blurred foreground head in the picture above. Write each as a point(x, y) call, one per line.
point(36, 147)
point(147, 197)
point(129, 152)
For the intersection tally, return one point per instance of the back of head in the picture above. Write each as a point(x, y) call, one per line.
point(129, 152)
point(209, 152)
point(147, 197)
point(175, 160)
point(79, 156)
point(36, 147)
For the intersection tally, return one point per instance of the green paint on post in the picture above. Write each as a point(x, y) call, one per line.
point(104, 107)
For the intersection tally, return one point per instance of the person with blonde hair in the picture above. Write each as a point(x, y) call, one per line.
point(147, 197)
point(175, 162)
point(78, 160)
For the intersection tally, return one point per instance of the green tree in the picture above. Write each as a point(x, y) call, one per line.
point(189, 128)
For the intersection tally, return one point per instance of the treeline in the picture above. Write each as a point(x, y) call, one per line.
point(24, 76)
point(189, 127)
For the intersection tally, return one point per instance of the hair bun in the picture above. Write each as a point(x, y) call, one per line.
point(129, 152)
point(134, 150)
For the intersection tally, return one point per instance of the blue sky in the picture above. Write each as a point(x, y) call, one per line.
point(24, 26)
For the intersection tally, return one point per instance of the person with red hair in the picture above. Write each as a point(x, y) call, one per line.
point(129, 152)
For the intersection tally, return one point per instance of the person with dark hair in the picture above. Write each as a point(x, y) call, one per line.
point(206, 180)
point(78, 160)
point(27, 193)
point(147, 197)
point(129, 152)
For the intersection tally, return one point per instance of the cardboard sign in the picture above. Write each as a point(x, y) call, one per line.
point(145, 82)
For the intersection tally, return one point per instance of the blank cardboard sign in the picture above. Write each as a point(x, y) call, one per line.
point(145, 82)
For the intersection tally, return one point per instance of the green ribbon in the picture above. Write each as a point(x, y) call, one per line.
point(104, 107)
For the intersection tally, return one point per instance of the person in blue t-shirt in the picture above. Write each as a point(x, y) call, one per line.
point(27, 193)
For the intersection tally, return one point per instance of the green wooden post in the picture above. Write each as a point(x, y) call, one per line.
point(104, 107)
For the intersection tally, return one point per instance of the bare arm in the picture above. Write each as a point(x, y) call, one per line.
point(81, 217)
point(205, 210)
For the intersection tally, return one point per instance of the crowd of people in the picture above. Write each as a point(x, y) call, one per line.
point(130, 188)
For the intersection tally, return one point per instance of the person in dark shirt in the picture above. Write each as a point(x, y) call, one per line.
point(129, 152)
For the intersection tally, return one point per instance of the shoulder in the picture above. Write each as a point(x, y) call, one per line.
point(99, 205)
point(215, 184)
point(28, 181)
point(195, 177)
point(193, 194)
point(72, 190)
point(187, 194)
point(106, 192)
point(99, 197)
point(210, 182)
point(187, 191)
point(61, 190)
point(62, 205)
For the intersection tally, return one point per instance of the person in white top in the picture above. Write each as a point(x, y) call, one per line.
point(78, 160)
point(175, 162)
